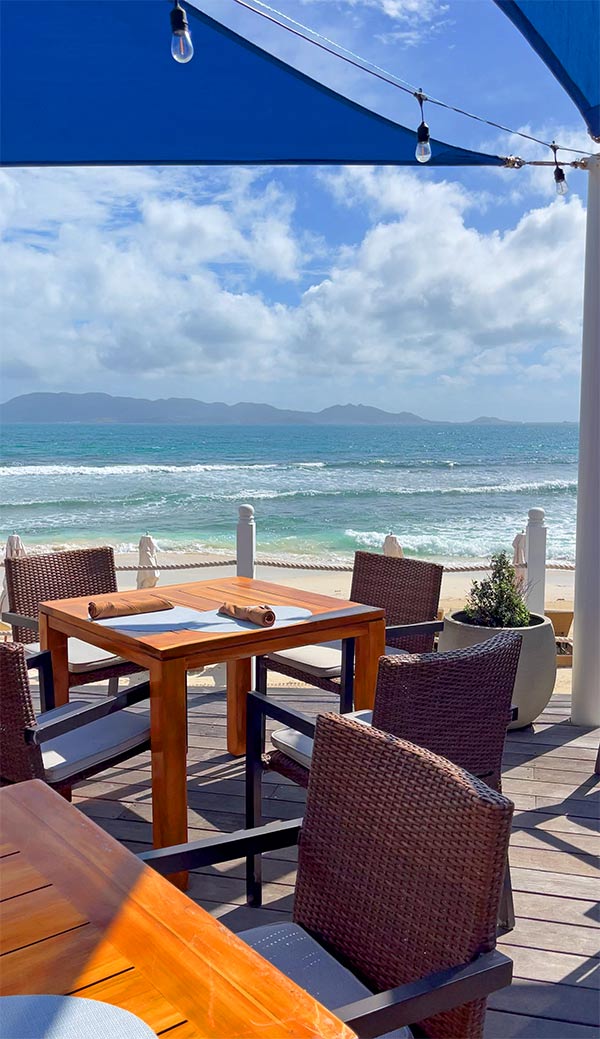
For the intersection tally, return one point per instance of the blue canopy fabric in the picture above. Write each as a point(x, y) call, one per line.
point(566, 35)
point(94, 83)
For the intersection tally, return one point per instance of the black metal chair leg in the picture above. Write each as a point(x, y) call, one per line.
point(255, 745)
point(46, 682)
point(261, 675)
point(347, 677)
point(506, 909)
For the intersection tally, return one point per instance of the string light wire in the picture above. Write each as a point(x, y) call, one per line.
point(357, 61)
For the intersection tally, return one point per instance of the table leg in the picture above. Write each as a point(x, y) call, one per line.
point(168, 734)
point(239, 684)
point(56, 642)
point(368, 649)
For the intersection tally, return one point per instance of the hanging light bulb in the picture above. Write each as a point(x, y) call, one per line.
point(423, 149)
point(560, 180)
point(559, 174)
point(182, 47)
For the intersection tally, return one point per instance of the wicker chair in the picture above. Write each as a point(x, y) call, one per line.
point(400, 871)
point(454, 704)
point(32, 580)
point(409, 592)
point(69, 743)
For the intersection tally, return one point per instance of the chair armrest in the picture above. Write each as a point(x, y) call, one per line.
point(16, 620)
point(50, 729)
point(422, 628)
point(431, 995)
point(262, 705)
point(224, 847)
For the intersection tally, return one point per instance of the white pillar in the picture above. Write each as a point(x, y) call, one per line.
point(246, 541)
point(535, 551)
point(585, 703)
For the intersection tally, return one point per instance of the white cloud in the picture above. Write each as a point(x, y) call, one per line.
point(413, 20)
point(426, 294)
point(127, 277)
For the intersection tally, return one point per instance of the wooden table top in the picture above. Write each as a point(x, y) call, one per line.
point(80, 914)
point(327, 612)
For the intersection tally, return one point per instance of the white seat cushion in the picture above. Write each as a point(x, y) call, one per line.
point(91, 744)
point(82, 656)
point(323, 660)
point(299, 747)
point(294, 952)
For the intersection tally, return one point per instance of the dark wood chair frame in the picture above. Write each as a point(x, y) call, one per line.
point(376, 1014)
point(259, 708)
point(346, 685)
point(255, 730)
point(44, 731)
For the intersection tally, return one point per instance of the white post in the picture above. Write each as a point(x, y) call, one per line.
point(585, 701)
point(246, 541)
point(535, 551)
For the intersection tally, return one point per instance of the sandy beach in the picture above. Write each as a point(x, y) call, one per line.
point(455, 586)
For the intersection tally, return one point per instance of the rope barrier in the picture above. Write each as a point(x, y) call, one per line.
point(180, 566)
point(465, 568)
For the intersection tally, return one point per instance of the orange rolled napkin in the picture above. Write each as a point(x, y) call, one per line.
point(117, 607)
point(262, 615)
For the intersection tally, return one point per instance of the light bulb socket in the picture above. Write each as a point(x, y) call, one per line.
point(179, 22)
point(423, 133)
point(559, 175)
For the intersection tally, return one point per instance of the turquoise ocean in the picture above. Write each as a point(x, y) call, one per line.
point(450, 492)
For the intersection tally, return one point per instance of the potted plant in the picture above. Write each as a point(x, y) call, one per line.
point(497, 603)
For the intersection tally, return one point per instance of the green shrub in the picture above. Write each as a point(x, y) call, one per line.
point(497, 602)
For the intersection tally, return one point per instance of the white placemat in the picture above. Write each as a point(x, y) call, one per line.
point(182, 618)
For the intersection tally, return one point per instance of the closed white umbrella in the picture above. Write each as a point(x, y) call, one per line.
point(15, 549)
point(147, 557)
point(392, 547)
point(519, 549)
point(519, 560)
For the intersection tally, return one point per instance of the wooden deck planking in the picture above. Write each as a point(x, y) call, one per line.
point(554, 853)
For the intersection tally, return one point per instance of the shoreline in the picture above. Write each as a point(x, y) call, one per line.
point(455, 586)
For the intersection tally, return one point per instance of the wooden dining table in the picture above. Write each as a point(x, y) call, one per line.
point(168, 655)
point(81, 915)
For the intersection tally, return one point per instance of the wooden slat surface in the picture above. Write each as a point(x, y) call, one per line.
point(109, 928)
point(64, 963)
point(17, 876)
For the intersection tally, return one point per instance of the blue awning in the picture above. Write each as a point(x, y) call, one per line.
point(566, 35)
point(93, 83)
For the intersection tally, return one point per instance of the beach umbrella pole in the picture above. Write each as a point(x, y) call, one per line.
point(585, 706)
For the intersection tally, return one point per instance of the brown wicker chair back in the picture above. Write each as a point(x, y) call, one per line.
point(456, 704)
point(18, 760)
point(407, 589)
point(58, 575)
point(401, 862)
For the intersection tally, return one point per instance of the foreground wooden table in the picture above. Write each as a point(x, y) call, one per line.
point(79, 914)
point(169, 655)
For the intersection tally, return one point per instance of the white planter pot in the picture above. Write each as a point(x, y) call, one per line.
point(536, 672)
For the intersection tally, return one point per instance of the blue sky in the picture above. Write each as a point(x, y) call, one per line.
point(450, 293)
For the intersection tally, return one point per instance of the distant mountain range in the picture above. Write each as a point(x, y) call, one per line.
point(102, 408)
